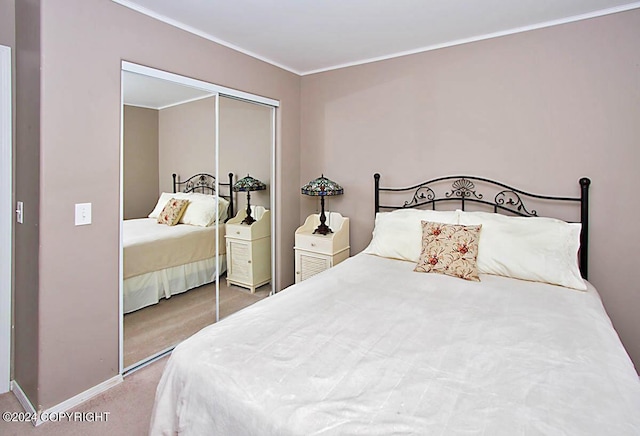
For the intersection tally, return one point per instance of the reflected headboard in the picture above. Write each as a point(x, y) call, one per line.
point(506, 199)
point(205, 183)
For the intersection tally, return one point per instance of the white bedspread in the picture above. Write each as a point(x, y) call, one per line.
point(371, 348)
point(149, 246)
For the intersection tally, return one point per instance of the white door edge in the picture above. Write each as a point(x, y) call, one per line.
point(6, 217)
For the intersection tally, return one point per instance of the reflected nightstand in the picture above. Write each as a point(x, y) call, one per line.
point(249, 249)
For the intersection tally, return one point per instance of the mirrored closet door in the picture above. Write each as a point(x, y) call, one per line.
point(194, 165)
point(168, 128)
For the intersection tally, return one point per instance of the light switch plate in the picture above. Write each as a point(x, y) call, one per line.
point(83, 214)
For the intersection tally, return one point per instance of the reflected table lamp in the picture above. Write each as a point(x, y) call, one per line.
point(322, 187)
point(248, 184)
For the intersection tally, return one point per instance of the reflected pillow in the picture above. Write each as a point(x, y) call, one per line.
point(398, 234)
point(201, 210)
point(528, 248)
point(449, 249)
point(172, 211)
point(162, 201)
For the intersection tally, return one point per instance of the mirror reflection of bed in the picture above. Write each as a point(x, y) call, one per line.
point(169, 271)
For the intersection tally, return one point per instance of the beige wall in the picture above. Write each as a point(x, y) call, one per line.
point(180, 140)
point(140, 161)
point(7, 23)
point(538, 110)
point(187, 141)
point(27, 179)
point(83, 43)
point(245, 147)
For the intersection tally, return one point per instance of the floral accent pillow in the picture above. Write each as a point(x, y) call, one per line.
point(172, 211)
point(449, 249)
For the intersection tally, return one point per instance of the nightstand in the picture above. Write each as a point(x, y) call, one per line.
point(249, 249)
point(316, 253)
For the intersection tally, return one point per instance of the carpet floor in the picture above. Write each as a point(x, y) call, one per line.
point(155, 328)
point(129, 405)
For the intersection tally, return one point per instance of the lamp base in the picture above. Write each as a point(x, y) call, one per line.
point(248, 220)
point(323, 229)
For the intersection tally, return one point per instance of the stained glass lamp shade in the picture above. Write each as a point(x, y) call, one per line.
point(248, 184)
point(322, 187)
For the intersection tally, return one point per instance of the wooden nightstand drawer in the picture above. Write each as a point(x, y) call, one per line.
point(239, 231)
point(315, 243)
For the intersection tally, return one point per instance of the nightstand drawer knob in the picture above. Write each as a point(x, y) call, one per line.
point(297, 272)
point(237, 232)
point(313, 245)
point(248, 261)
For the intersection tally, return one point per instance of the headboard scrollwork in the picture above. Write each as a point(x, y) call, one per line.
point(205, 183)
point(202, 182)
point(507, 199)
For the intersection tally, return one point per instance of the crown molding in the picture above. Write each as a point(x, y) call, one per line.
point(594, 14)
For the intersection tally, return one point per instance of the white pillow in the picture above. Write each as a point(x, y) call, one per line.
point(223, 210)
point(398, 234)
point(528, 248)
point(201, 210)
point(162, 201)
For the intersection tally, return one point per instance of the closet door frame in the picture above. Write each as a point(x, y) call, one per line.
point(6, 217)
point(215, 90)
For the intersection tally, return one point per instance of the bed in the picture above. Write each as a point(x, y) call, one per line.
point(160, 260)
point(373, 347)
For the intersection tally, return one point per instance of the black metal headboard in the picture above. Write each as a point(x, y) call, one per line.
point(508, 199)
point(205, 184)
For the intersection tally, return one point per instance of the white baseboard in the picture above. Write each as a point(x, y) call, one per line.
point(67, 404)
point(22, 398)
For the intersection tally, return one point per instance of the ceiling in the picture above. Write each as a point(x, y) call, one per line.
point(152, 93)
point(309, 36)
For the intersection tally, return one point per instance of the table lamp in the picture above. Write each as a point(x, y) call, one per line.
point(322, 187)
point(248, 184)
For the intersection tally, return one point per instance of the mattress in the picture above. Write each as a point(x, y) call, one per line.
point(161, 261)
point(370, 347)
point(149, 246)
